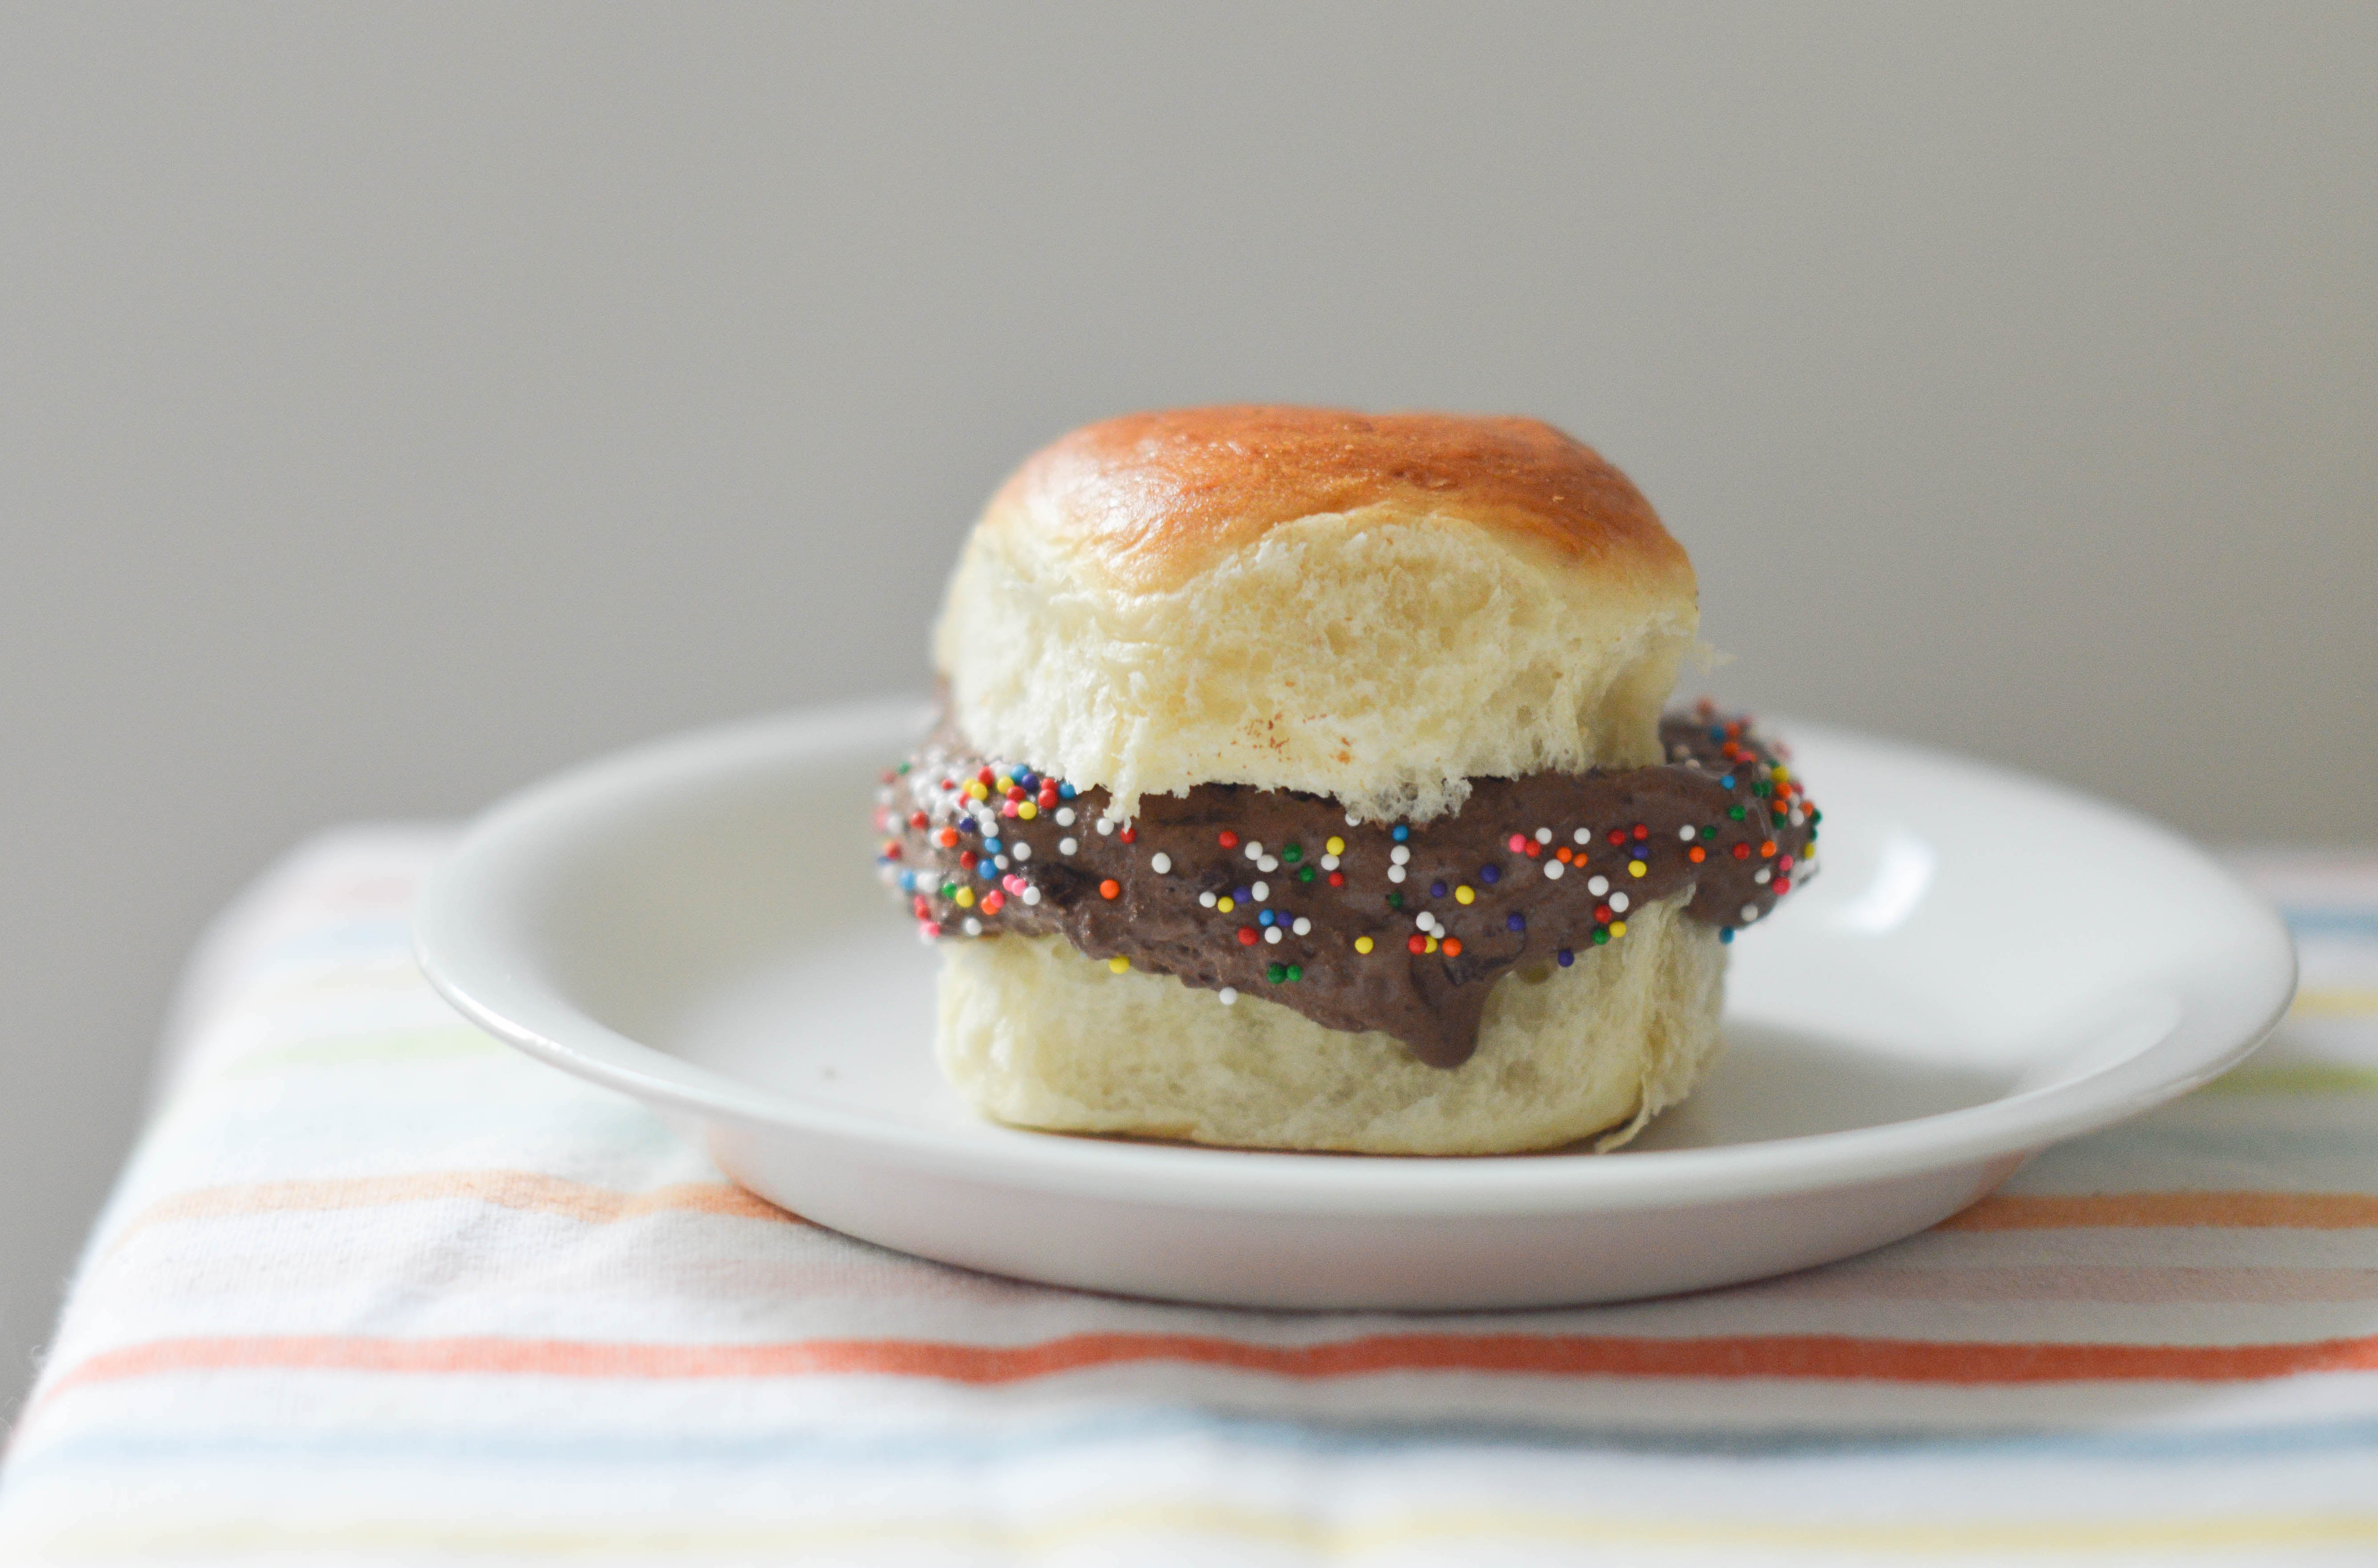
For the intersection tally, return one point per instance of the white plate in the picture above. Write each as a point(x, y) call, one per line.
point(1988, 964)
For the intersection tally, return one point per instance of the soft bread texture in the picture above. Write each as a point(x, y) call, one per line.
point(1037, 1034)
point(1376, 608)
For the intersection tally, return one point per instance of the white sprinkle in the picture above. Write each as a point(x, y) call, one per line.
point(1685, 832)
point(1303, 928)
point(1395, 873)
point(1159, 863)
point(1619, 903)
point(1352, 821)
point(1764, 875)
point(1271, 933)
point(1584, 835)
point(1554, 869)
point(1207, 899)
point(1543, 835)
point(1069, 846)
point(1064, 815)
point(1229, 995)
point(973, 927)
point(1749, 913)
point(1797, 818)
point(1400, 854)
point(999, 861)
point(1106, 826)
point(1597, 886)
point(1423, 920)
point(1262, 892)
point(1022, 850)
point(1329, 863)
point(1255, 849)
point(1268, 863)
point(1031, 895)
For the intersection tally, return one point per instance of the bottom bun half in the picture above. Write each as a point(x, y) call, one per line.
point(1037, 1034)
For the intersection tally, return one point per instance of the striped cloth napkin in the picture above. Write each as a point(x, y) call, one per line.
point(377, 1287)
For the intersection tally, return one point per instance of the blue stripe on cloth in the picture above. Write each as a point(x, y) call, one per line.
point(2332, 922)
point(1175, 1425)
point(367, 936)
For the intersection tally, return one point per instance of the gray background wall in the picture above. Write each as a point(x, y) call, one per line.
point(399, 403)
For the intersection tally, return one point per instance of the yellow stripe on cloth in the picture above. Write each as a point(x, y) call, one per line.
point(1153, 1522)
point(2337, 1001)
point(525, 1189)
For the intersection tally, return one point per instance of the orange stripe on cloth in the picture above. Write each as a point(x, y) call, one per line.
point(2292, 1211)
point(1812, 1356)
point(525, 1189)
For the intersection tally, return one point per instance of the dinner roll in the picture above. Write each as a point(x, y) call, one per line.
point(1372, 607)
point(1035, 1033)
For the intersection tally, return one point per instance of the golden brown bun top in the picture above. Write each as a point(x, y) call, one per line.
point(1155, 497)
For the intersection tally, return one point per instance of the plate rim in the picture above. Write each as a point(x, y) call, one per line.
point(503, 998)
